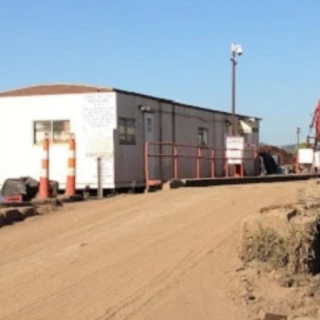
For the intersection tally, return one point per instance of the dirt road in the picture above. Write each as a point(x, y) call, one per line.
point(167, 255)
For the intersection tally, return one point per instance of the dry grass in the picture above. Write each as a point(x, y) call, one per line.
point(298, 250)
point(264, 245)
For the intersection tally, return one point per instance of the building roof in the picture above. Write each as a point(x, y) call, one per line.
point(55, 89)
point(52, 89)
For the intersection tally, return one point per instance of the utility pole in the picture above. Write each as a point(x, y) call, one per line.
point(236, 50)
point(298, 137)
point(233, 93)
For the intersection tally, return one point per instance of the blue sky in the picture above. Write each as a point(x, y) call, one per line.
point(175, 49)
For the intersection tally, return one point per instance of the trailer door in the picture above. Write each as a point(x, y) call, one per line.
point(149, 136)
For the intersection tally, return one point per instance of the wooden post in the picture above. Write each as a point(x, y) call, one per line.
point(99, 175)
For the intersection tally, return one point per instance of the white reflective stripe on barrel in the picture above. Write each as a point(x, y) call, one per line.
point(71, 172)
point(44, 173)
point(45, 155)
point(72, 154)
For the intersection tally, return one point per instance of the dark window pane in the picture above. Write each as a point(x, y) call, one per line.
point(122, 130)
point(122, 137)
point(203, 136)
point(131, 123)
point(127, 132)
point(122, 122)
point(131, 130)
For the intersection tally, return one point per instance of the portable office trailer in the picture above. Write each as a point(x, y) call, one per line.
point(127, 121)
point(165, 121)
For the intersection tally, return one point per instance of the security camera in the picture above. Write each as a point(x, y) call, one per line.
point(236, 48)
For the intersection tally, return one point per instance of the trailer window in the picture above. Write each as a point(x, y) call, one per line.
point(58, 131)
point(202, 136)
point(40, 128)
point(127, 131)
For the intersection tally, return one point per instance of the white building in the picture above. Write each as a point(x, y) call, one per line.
point(127, 120)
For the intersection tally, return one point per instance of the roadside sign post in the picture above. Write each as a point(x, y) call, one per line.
point(100, 178)
point(98, 148)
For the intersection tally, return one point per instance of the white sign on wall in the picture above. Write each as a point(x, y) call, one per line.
point(99, 121)
point(306, 156)
point(234, 149)
point(99, 147)
point(98, 125)
point(317, 159)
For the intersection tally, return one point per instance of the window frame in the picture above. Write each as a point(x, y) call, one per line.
point(129, 138)
point(51, 132)
point(204, 134)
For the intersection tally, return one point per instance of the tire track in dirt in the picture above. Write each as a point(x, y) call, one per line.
point(95, 221)
point(190, 261)
point(140, 207)
point(131, 210)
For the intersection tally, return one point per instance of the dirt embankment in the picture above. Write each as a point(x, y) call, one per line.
point(280, 250)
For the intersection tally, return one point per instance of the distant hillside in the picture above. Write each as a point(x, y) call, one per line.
point(291, 148)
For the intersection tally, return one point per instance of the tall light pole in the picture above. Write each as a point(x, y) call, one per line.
point(298, 137)
point(236, 50)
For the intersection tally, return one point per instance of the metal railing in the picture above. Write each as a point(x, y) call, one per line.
point(199, 154)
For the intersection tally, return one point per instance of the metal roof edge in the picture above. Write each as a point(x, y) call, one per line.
point(177, 103)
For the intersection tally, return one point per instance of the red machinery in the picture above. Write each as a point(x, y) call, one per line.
point(315, 124)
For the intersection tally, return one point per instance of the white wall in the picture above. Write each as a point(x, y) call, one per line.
point(20, 157)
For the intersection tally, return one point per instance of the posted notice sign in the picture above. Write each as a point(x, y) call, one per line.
point(234, 149)
point(99, 121)
point(306, 156)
